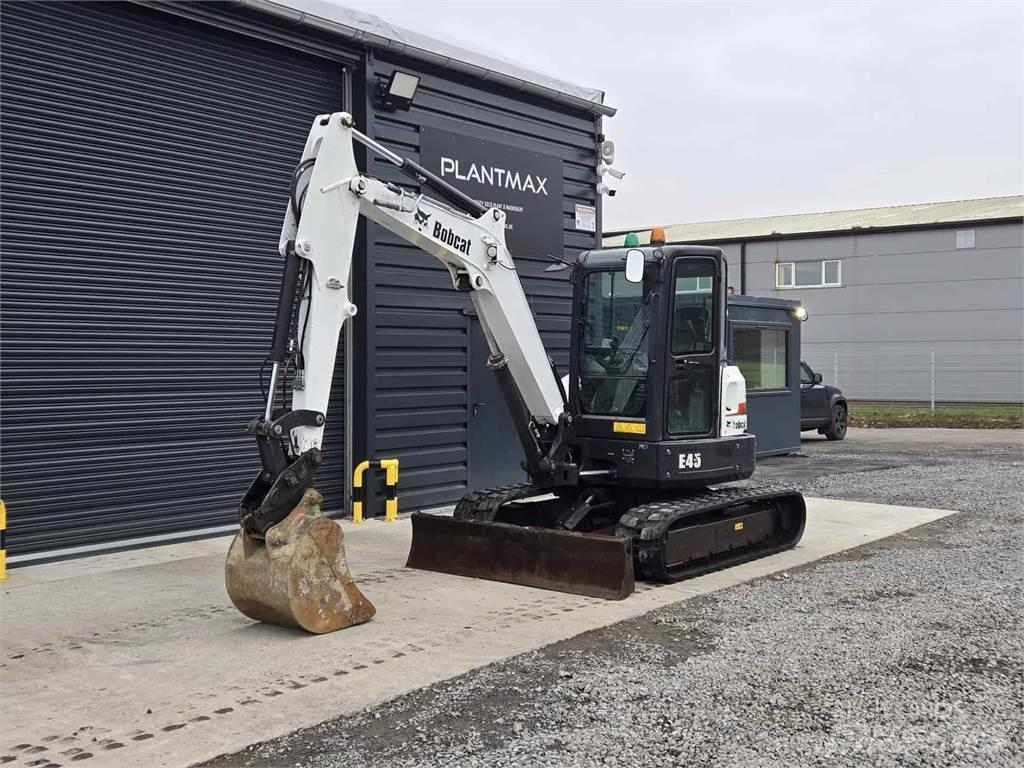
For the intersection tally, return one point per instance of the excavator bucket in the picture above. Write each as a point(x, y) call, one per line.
point(581, 563)
point(297, 576)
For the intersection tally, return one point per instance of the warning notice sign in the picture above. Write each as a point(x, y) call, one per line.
point(586, 218)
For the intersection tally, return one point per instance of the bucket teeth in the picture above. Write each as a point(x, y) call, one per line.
point(297, 576)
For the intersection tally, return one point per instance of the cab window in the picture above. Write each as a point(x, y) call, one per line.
point(615, 338)
point(693, 326)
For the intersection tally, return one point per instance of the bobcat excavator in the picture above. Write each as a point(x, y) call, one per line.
point(622, 459)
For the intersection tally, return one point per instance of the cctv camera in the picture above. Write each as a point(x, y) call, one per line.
point(604, 168)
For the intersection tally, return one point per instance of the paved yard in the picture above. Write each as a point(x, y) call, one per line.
point(907, 651)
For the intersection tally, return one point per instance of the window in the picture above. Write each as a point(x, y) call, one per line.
point(808, 274)
point(964, 238)
point(806, 374)
point(699, 284)
point(691, 388)
point(689, 402)
point(784, 275)
point(693, 324)
point(613, 373)
point(761, 355)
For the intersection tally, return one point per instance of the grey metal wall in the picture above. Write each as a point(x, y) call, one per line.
point(416, 360)
point(902, 295)
point(144, 165)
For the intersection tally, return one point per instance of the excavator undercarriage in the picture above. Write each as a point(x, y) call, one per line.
point(513, 534)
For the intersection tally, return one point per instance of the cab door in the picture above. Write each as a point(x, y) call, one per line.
point(612, 339)
point(693, 340)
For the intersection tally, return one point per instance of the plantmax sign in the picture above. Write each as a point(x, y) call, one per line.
point(526, 185)
point(491, 176)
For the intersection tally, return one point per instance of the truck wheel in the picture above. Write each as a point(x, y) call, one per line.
point(837, 429)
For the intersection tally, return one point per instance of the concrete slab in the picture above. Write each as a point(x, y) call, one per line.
point(140, 659)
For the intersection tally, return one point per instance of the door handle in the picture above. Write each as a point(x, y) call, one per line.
point(477, 406)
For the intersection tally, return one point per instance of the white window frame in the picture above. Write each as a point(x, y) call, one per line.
point(966, 239)
point(779, 265)
point(792, 274)
point(839, 273)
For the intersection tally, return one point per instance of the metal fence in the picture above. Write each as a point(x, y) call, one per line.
point(922, 374)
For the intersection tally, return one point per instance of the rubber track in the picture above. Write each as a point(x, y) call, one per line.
point(649, 524)
point(484, 505)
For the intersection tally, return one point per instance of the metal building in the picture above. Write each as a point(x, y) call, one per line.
point(147, 149)
point(894, 294)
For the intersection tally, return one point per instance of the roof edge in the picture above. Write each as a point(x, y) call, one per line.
point(951, 213)
point(810, 233)
point(817, 213)
point(478, 71)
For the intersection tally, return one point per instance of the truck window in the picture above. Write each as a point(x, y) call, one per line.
point(806, 374)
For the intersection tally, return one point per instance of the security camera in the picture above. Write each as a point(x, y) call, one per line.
point(603, 168)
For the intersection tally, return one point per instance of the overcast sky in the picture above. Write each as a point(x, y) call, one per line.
point(729, 110)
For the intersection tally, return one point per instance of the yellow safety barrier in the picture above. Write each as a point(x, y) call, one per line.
point(3, 545)
point(390, 467)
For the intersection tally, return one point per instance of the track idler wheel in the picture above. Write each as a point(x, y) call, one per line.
point(297, 576)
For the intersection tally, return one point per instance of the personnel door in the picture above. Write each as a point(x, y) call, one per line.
point(692, 370)
point(495, 453)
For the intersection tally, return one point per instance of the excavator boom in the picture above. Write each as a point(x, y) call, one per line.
point(317, 241)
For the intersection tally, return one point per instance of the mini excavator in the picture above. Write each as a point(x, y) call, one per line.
point(624, 455)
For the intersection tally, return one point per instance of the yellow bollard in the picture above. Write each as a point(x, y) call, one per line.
point(3, 547)
point(390, 467)
point(357, 485)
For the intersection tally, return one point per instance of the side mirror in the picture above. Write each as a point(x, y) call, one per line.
point(817, 378)
point(634, 265)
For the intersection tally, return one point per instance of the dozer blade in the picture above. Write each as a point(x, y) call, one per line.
point(297, 576)
point(579, 563)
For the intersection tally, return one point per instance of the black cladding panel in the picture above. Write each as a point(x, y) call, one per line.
point(419, 370)
point(145, 165)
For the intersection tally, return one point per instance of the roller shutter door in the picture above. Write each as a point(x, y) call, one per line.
point(144, 165)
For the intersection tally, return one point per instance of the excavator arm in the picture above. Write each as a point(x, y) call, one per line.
point(317, 242)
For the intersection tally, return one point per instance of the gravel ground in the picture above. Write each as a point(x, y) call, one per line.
point(904, 652)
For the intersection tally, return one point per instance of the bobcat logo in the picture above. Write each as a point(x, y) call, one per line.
point(421, 219)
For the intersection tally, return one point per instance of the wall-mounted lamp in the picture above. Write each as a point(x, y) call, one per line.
point(398, 92)
point(801, 313)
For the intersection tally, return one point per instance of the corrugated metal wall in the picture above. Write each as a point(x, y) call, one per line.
point(417, 362)
point(904, 294)
point(145, 163)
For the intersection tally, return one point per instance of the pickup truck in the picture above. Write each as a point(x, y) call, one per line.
point(822, 406)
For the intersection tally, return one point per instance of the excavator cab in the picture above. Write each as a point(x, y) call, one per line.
point(648, 367)
point(622, 485)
